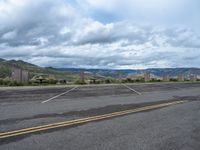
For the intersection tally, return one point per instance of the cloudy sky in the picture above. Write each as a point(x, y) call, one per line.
point(101, 33)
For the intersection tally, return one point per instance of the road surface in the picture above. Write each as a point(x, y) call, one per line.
point(172, 127)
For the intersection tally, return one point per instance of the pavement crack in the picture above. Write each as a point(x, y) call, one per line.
point(86, 113)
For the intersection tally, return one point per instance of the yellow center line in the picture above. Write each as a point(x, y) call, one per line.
point(83, 120)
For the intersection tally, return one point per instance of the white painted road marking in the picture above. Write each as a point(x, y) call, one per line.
point(132, 89)
point(59, 95)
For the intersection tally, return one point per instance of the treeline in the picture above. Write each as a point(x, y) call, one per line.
point(51, 81)
point(10, 82)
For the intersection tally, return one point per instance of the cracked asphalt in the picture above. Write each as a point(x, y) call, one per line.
point(169, 128)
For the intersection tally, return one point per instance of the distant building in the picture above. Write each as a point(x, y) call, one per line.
point(16, 75)
point(193, 78)
point(25, 76)
point(20, 76)
point(82, 77)
point(147, 77)
point(166, 78)
point(136, 76)
point(180, 77)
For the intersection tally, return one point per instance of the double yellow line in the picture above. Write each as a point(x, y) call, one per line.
point(83, 120)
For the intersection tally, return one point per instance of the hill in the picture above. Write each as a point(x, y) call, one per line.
point(73, 73)
point(127, 72)
point(6, 67)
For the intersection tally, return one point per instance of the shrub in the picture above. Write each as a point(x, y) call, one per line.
point(52, 81)
point(79, 82)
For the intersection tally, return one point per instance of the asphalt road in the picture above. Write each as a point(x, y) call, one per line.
point(170, 128)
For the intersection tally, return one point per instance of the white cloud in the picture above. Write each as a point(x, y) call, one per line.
point(53, 33)
point(9, 35)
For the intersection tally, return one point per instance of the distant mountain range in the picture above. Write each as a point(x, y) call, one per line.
point(73, 73)
point(126, 72)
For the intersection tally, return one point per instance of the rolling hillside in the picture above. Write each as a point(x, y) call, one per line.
point(7, 65)
point(127, 72)
point(73, 73)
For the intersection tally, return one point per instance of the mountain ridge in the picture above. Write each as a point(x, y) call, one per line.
point(6, 65)
point(125, 72)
